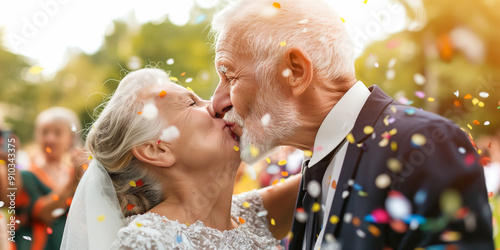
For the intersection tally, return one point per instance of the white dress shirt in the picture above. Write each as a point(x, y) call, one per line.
point(336, 126)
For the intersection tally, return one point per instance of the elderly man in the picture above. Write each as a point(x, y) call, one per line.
point(382, 175)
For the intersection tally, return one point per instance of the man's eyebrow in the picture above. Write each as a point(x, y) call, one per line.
point(222, 69)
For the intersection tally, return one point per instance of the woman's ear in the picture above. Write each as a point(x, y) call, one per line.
point(300, 71)
point(157, 154)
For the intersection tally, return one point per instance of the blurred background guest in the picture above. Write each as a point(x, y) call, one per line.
point(45, 189)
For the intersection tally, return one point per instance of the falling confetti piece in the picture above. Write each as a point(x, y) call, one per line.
point(283, 44)
point(69, 200)
point(282, 162)
point(419, 79)
point(254, 151)
point(101, 218)
point(486, 123)
point(334, 219)
point(316, 207)
point(397, 205)
point(273, 222)
point(2, 203)
point(183, 73)
point(58, 212)
point(246, 204)
point(262, 213)
point(265, 120)
point(314, 188)
point(365, 1)
point(241, 220)
point(138, 224)
point(456, 93)
point(383, 143)
point(287, 72)
point(383, 181)
point(178, 238)
point(345, 194)
point(356, 221)
point(398, 226)
point(450, 236)
point(132, 183)
point(189, 80)
point(130, 207)
point(475, 101)
point(149, 111)
point(360, 233)
point(469, 126)
point(48, 150)
point(268, 160)
point(410, 111)
point(431, 99)
point(374, 230)
point(420, 94)
point(368, 130)
point(476, 122)
point(334, 184)
point(55, 197)
point(394, 165)
point(236, 148)
point(284, 173)
point(139, 183)
point(450, 201)
point(276, 181)
point(170, 61)
point(350, 138)
point(468, 96)
point(35, 70)
point(418, 140)
point(308, 153)
point(480, 104)
point(173, 78)
point(158, 142)
point(27, 238)
point(301, 215)
point(376, 65)
point(163, 93)
point(277, 5)
point(461, 150)
point(470, 159)
point(484, 94)
point(348, 217)
point(170, 134)
point(49, 230)
point(342, 19)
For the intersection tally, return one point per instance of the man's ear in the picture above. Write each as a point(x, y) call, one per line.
point(157, 154)
point(300, 69)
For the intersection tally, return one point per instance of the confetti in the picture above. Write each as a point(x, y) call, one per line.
point(397, 205)
point(303, 21)
point(35, 70)
point(334, 184)
point(163, 93)
point(450, 236)
point(469, 126)
point(368, 130)
point(139, 183)
point(241, 220)
point(468, 96)
point(461, 150)
point(130, 207)
point(273, 222)
point(69, 200)
point(282, 162)
point(58, 212)
point(169, 134)
point(342, 19)
point(418, 140)
point(383, 143)
point(348, 218)
point(484, 94)
point(378, 215)
point(55, 197)
point(376, 65)
point(190, 89)
point(2, 203)
point(334, 219)
point(273, 169)
point(268, 160)
point(456, 93)
point(265, 120)
point(350, 138)
point(345, 194)
point(419, 79)
point(178, 238)
point(283, 44)
point(27, 238)
point(246, 204)
point(398, 226)
point(138, 224)
point(301, 215)
point(475, 101)
point(394, 165)
point(420, 94)
point(431, 99)
point(49, 230)
point(394, 146)
point(392, 62)
point(284, 173)
point(236, 148)
point(189, 80)
point(183, 73)
point(276, 181)
point(101, 218)
point(262, 213)
point(470, 159)
point(365, 1)
point(315, 207)
point(254, 151)
point(287, 72)
point(277, 5)
point(410, 111)
point(360, 233)
point(374, 230)
point(486, 123)
point(480, 104)
point(356, 221)
point(170, 61)
point(383, 181)
point(314, 188)
point(308, 153)
point(149, 111)
point(450, 201)
point(48, 150)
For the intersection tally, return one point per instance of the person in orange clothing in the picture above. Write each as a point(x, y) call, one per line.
point(47, 187)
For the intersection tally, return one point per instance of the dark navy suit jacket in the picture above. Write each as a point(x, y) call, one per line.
point(427, 172)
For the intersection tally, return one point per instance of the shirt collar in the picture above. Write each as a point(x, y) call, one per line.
point(339, 122)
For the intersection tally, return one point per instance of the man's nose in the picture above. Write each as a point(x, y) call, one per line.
point(221, 101)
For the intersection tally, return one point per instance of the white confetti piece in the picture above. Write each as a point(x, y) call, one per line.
point(169, 134)
point(456, 93)
point(170, 61)
point(360, 233)
point(461, 150)
point(149, 111)
point(484, 94)
point(383, 181)
point(27, 237)
point(1, 203)
point(286, 73)
point(265, 120)
point(58, 212)
point(301, 216)
point(345, 194)
point(376, 65)
point(419, 79)
point(486, 123)
point(189, 80)
point(397, 205)
point(392, 62)
point(73, 127)
point(347, 218)
point(390, 74)
point(262, 213)
point(314, 188)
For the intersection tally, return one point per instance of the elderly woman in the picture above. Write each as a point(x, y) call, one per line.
point(172, 167)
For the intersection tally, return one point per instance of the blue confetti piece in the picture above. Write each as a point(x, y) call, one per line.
point(420, 197)
point(370, 218)
point(410, 111)
point(200, 18)
point(419, 218)
point(357, 187)
point(178, 238)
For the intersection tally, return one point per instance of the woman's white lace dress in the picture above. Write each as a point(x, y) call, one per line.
point(152, 231)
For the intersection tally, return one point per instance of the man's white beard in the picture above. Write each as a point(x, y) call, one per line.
point(258, 140)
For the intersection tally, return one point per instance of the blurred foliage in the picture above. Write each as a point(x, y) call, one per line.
point(88, 79)
point(454, 46)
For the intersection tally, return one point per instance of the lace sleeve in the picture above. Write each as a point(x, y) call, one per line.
point(249, 206)
point(140, 235)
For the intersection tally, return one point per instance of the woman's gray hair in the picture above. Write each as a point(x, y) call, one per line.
point(311, 25)
point(118, 129)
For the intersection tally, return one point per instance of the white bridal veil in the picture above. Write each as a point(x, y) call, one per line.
point(95, 215)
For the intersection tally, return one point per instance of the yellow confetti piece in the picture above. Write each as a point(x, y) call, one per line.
point(273, 222)
point(394, 146)
point(469, 126)
point(393, 131)
point(308, 153)
point(35, 70)
point(101, 218)
point(383, 143)
point(242, 221)
point(2, 162)
point(282, 162)
point(246, 204)
point(268, 160)
point(368, 130)
point(290, 235)
point(365, 2)
point(282, 180)
point(283, 44)
point(393, 109)
point(374, 230)
point(132, 183)
point(316, 207)
point(334, 219)
point(418, 140)
point(190, 89)
point(480, 104)
point(254, 151)
point(475, 101)
point(163, 93)
point(394, 165)
point(350, 138)
point(236, 148)
point(90, 157)
point(277, 5)
point(431, 99)
point(479, 151)
point(138, 224)
point(173, 78)
point(48, 150)
point(342, 19)
point(386, 121)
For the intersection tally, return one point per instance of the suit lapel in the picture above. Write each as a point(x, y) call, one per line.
point(371, 111)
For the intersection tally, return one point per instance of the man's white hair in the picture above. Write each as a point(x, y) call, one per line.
point(311, 25)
